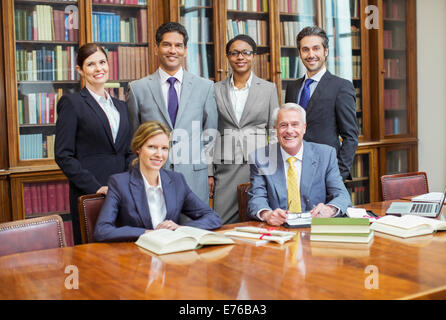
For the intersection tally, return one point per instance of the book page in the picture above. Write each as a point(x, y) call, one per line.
point(164, 240)
point(278, 233)
point(411, 221)
point(205, 236)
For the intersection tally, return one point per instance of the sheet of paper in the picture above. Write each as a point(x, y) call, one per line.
point(429, 197)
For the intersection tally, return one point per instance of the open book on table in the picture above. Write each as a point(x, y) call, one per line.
point(278, 236)
point(407, 226)
point(184, 238)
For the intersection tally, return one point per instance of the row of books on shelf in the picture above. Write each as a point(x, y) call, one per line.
point(198, 28)
point(43, 23)
point(289, 31)
point(305, 8)
point(356, 67)
point(46, 197)
point(137, 2)
point(248, 5)
point(358, 194)
point(395, 38)
point(195, 3)
point(395, 68)
point(38, 108)
point(397, 162)
point(261, 66)
point(199, 60)
point(394, 9)
point(394, 99)
point(340, 65)
point(256, 29)
point(360, 167)
point(127, 63)
point(291, 67)
point(36, 146)
point(44, 64)
point(111, 27)
point(395, 125)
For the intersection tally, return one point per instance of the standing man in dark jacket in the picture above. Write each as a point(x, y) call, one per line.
point(328, 100)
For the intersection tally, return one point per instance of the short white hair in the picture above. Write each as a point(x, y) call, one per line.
point(290, 106)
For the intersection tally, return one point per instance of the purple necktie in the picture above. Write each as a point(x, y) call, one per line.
point(172, 99)
point(305, 95)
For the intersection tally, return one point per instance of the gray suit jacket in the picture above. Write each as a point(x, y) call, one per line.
point(320, 181)
point(197, 113)
point(252, 132)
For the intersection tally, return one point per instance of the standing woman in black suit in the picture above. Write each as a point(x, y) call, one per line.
point(92, 132)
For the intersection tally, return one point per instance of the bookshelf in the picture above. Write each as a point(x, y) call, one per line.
point(40, 194)
point(121, 27)
point(197, 17)
point(381, 63)
point(395, 76)
point(253, 18)
point(362, 187)
point(45, 36)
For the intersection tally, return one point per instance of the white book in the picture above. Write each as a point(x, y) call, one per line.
point(184, 238)
point(407, 225)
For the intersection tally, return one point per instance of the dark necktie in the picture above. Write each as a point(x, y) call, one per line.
point(172, 100)
point(305, 95)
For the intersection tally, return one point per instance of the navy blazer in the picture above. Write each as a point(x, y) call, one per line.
point(320, 181)
point(84, 147)
point(125, 214)
point(331, 112)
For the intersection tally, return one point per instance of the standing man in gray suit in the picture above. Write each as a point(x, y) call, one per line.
point(183, 102)
point(245, 106)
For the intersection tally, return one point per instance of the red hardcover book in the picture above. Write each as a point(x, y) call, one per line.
point(44, 197)
point(51, 107)
point(111, 74)
point(66, 188)
point(34, 199)
point(60, 205)
point(52, 202)
point(27, 199)
point(68, 228)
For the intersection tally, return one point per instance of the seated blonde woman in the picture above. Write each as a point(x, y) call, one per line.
point(148, 197)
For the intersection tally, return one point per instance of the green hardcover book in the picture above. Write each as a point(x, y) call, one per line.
point(340, 225)
point(340, 221)
point(343, 237)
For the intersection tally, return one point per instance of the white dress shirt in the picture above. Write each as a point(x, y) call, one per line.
point(113, 116)
point(239, 96)
point(166, 85)
point(156, 201)
point(317, 78)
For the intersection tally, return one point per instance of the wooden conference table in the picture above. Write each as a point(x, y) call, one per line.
point(300, 269)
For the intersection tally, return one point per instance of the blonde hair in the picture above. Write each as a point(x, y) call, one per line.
point(144, 132)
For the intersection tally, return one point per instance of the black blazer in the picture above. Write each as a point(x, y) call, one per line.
point(331, 112)
point(84, 147)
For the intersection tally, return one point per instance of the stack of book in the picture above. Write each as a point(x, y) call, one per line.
point(341, 230)
point(254, 234)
